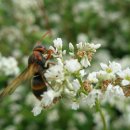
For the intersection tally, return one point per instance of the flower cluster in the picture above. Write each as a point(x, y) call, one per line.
point(8, 66)
point(68, 78)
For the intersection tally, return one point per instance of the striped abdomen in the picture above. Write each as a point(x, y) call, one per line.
point(38, 86)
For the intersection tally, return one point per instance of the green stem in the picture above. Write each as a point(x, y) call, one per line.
point(98, 106)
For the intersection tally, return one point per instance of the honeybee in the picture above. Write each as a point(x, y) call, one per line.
point(35, 70)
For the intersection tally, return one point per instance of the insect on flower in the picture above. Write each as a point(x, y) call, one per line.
point(35, 70)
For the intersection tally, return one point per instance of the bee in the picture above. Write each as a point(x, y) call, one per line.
point(35, 70)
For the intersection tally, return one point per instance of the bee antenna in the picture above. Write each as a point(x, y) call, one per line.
point(48, 32)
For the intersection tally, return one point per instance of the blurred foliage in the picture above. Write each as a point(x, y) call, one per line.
point(23, 22)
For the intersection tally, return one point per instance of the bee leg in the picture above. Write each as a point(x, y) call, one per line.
point(49, 64)
point(49, 52)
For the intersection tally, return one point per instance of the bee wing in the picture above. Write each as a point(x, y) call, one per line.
point(26, 74)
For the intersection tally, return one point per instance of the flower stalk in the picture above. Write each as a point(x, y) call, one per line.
point(99, 109)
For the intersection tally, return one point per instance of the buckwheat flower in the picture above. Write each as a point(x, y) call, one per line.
point(37, 110)
point(92, 77)
point(109, 71)
point(85, 62)
point(69, 85)
point(58, 43)
point(55, 73)
point(92, 96)
point(114, 91)
point(68, 93)
point(9, 66)
point(94, 46)
point(85, 52)
point(72, 65)
point(103, 75)
point(71, 47)
point(88, 47)
point(82, 73)
point(76, 85)
point(47, 97)
point(125, 75)
point(75, 105)
point(79, 46)
point(113, 67)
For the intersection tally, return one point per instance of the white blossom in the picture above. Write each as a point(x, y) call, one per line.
point(55, 73)
point(83, 48)
point(71, 47)
point(47, 97)
point(114, 91)
point(88, 47)
point(67, 77)
point(76, 85)
point(92, 96)
point(125, 75)
point(58, 43)
point(113, 67)
point(82, 73)
point(72, 65)
point(103, 75)
point(8, 66)
point(109, 71)
point(92, 77)
point(85, 62)
point(37, 110)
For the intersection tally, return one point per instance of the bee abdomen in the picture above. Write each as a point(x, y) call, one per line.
point(38, 86)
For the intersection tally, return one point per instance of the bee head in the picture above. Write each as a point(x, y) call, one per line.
point(40, 48)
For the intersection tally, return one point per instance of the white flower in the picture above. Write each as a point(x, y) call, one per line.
point(88, 47)
point(80, 46)
point(58, 43)
point(95, 46)
point(37, 110)
point(92, 96)
point(125, 82)
point(83, 48)
point(72, 65)
point(9, 66)
point(114, 91)
point(125, 75)
point(113, 94)
point(109, 71)
point(103, 75)
point(70, 94)
point(55, 73)
point(85, 62)
point(47, 97)
point(113, 67)
point(92, 77)
point(76, 85)
point(71, 47)
point(82, 73)
point(75, 105)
